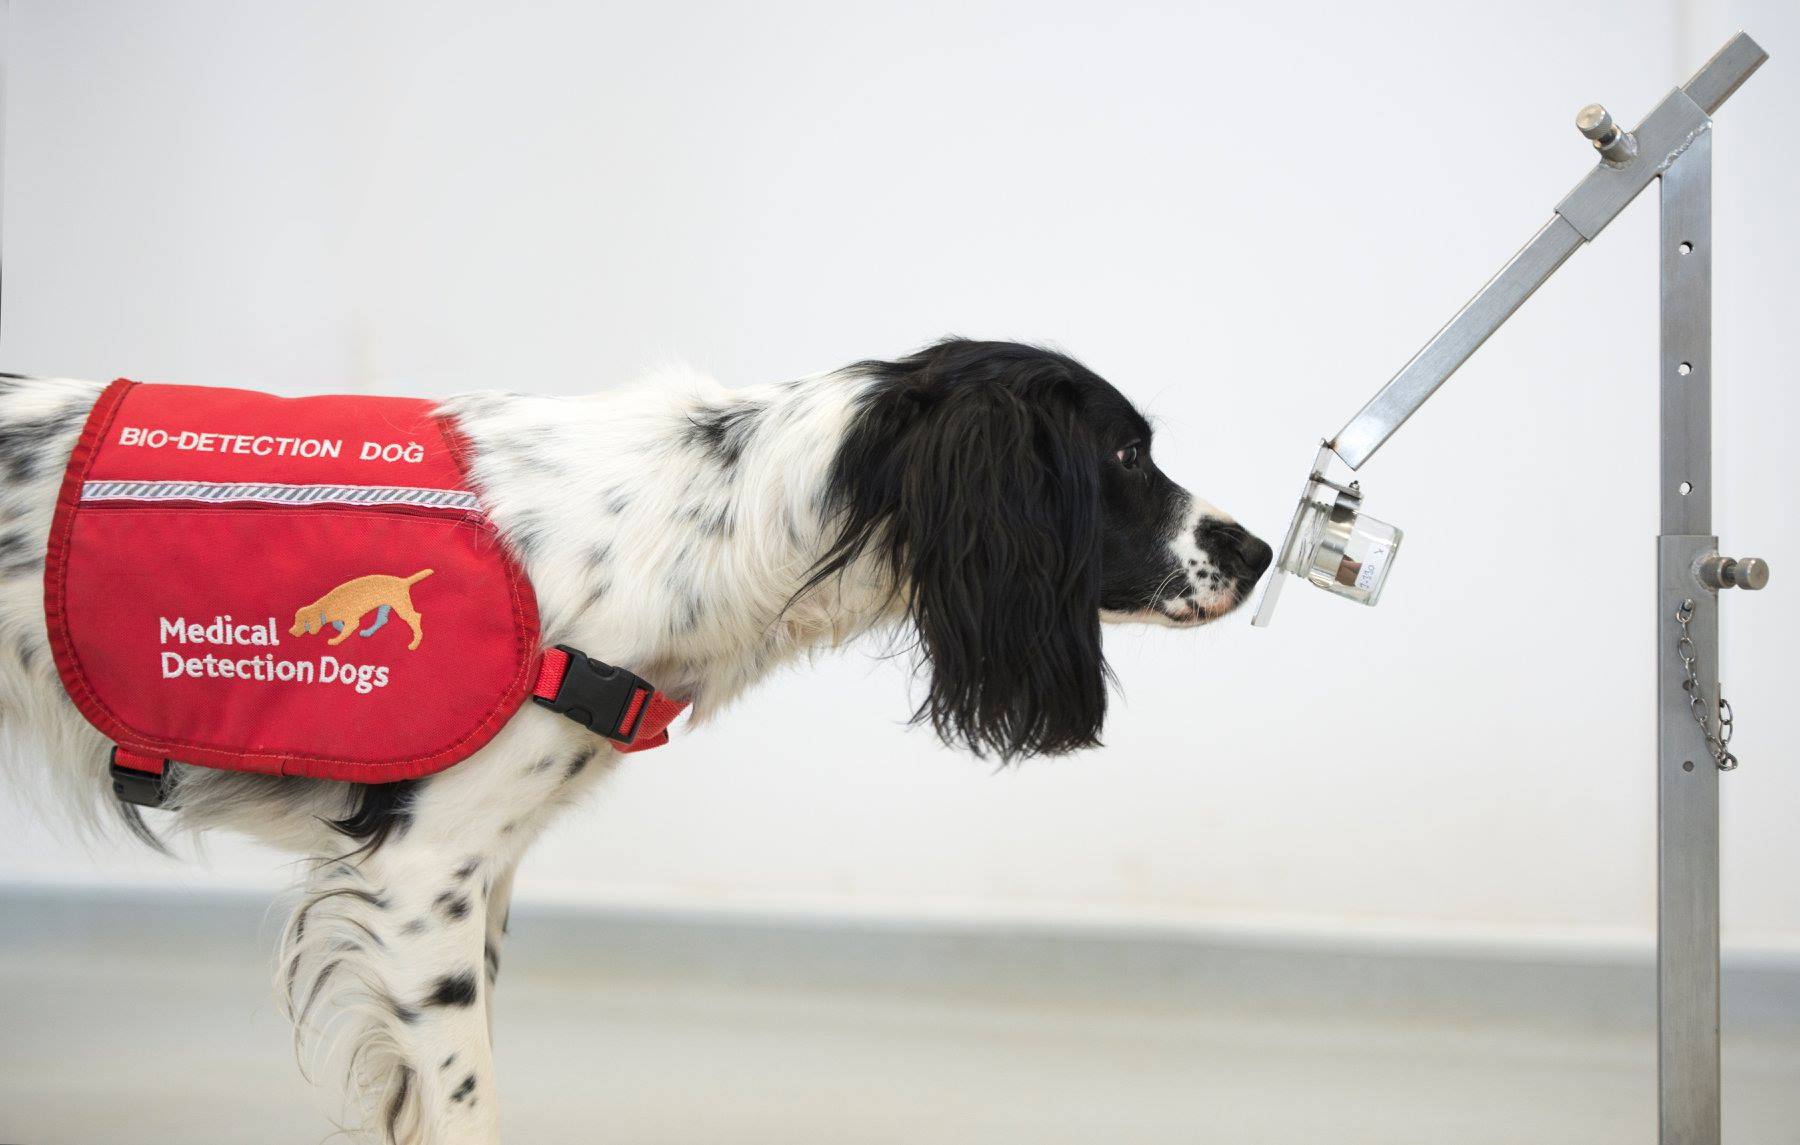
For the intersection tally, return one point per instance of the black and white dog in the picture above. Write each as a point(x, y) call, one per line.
point(1000, 499)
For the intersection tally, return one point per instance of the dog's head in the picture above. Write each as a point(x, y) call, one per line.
point(1012, 496)
point(306, 621)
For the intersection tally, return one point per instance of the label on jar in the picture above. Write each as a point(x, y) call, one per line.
point(1373, 565)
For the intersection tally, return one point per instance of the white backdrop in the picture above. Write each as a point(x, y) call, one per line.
point(1246, 218)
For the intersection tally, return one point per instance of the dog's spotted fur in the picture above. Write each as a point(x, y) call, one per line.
point(999, 499)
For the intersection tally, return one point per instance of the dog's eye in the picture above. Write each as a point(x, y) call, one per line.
point(1128, 457)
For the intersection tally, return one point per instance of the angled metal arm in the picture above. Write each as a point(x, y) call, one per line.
point(1629, 163)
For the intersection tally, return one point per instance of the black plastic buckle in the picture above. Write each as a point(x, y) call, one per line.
point(597, 695)
point(133, 786)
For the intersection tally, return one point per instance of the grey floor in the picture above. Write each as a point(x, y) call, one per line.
point(660, 1035)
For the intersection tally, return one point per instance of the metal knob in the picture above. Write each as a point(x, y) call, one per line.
point(1594, 121)
point(1749, 573)
point(1615, 145)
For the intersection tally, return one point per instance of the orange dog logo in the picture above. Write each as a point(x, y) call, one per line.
point(345, 606)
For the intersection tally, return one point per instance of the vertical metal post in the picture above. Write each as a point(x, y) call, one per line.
point(3, 21)
point(1687, 929)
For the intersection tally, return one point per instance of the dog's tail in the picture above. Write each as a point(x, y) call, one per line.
point(417, 577)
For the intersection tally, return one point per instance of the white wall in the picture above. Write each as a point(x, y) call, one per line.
point(1245, 215)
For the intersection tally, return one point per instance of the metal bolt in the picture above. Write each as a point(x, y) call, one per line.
point(1615, 146)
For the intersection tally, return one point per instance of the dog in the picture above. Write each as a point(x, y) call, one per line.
point(345, 606)
point(995, 501)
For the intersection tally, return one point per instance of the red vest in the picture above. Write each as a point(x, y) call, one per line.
point(294, 586)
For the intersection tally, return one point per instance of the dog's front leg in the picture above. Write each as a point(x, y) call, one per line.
point(440, 973)
point(413, 925)
point(399, 934)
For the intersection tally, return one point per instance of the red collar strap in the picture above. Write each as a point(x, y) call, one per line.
point(605, 699)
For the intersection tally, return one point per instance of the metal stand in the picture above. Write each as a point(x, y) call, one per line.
point(1673, 144)
point(1687, 780)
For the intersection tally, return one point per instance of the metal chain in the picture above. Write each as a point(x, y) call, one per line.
point(1684, 648)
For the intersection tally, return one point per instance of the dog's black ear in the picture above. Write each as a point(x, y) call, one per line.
point(972, 478)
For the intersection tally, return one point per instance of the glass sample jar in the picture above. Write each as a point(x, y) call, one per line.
point(1336, 546)
point(1331, 543)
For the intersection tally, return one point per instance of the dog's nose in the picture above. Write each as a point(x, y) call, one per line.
point(1233, 549)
